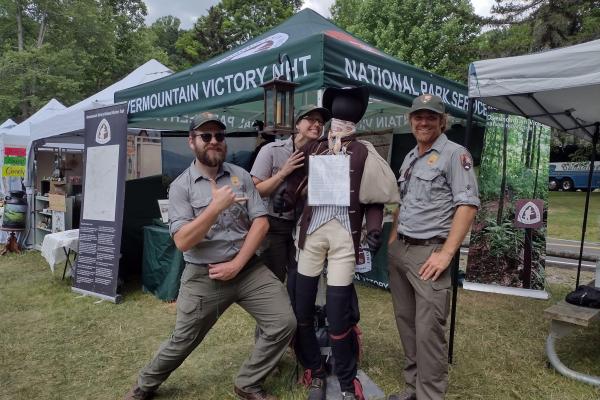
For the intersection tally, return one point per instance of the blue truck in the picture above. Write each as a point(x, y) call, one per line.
point(572, 175)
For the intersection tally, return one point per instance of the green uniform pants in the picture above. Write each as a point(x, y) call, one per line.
point(421, 310)
point(201, 300)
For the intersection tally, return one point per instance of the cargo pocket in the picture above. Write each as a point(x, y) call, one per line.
point(441, 290)
point(189, 308)
point(199, 205)
point(423, 184)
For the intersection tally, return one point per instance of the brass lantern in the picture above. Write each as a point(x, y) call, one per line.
point(279, 106)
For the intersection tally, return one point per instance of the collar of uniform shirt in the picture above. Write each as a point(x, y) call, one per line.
point(438, 146)
point(196, 174)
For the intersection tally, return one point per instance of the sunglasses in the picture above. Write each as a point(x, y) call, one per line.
point(313, 120)
point(207, 136)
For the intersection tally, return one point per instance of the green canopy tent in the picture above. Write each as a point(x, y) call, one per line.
point(321, 55)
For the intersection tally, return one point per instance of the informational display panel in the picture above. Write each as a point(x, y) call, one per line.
point(100, 228)
point(508, 239)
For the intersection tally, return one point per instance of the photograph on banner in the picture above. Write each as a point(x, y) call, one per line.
point(508, 238)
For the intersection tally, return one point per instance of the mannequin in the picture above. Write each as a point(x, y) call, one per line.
point(332, 232)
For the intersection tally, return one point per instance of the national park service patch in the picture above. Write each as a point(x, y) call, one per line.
point(466, 161)
point(432, 159)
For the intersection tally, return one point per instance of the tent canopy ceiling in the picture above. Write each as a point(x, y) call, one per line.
point(559, 88)
point(320, 55)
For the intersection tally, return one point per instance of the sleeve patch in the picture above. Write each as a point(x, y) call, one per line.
point(466, 161)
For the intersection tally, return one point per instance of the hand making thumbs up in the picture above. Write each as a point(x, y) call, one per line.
point(222, 197)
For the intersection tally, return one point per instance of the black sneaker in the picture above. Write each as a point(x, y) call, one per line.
point(348, 396)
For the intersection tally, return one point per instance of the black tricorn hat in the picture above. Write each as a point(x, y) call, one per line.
point(347, 104)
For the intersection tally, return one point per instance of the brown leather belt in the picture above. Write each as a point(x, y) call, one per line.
point(421, 242)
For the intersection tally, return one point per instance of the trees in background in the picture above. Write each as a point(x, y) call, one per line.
point(231, 23)
point(525, 26)
point(445, 36)
point(437, 35)
point(70, 49)
point(67, 49)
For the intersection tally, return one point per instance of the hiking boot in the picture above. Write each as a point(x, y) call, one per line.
point(317, 389)
point(260, 395)
point(138, 394)
point(406, 395)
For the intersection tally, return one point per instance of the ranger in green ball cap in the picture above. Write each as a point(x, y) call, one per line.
point(306, 109)
point(203, 118)
point(439, 200)
point(428, 102)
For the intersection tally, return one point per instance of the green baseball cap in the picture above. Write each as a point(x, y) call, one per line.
point(429, 102)
point(203, 118)
point(308, 108)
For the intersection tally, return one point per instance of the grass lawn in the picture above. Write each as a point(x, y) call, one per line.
point(565, 216)
point(55, 344)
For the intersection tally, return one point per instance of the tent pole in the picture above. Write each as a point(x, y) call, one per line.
point(587, 199)
point(456, 260)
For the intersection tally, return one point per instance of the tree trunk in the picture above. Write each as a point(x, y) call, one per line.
point(503, 183)
point(42, 32)
point(524, 142)
point(537, 164)
point(533, 144)
point(528, 147)
point(19, 12)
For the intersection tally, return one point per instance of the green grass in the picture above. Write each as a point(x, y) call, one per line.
point(565, 216)
point(55, 344)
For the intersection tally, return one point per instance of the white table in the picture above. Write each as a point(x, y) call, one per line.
point(58, 247)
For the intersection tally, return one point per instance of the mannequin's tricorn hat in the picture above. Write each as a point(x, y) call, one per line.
point(347, 104)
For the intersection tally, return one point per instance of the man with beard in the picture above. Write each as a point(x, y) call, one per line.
point(218, 220)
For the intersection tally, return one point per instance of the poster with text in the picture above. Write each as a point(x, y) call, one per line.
point(100, 228)
point(513, 186)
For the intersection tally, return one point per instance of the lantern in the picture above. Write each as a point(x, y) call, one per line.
point(279, 106)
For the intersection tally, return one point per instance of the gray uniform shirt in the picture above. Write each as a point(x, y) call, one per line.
point(432, 186)
point(269, 161)
point(191, 193)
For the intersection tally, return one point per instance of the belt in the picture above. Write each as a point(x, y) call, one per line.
point(421, 242)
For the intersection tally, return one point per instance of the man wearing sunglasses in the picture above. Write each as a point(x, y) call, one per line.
point(218, 220)
point(439, 200)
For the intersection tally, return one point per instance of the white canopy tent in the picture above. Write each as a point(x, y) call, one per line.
point(24, 128)
point(9, 123)
point(559, 88)
point(20, 136)
point(65, 129)
point(72, 119)
point(68, 126)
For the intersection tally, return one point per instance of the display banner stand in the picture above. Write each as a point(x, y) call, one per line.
point(97, 268)
point(508, 238)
